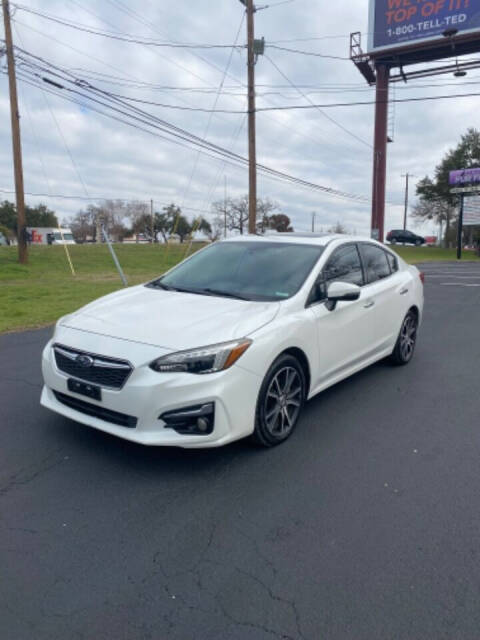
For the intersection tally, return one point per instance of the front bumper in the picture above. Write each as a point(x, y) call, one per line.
point(148, 394)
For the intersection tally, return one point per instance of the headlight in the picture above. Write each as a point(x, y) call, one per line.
point(217, 357)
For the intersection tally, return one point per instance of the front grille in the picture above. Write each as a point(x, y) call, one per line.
point(106, 372)
point(115, 417)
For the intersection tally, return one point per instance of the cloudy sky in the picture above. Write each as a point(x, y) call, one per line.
point(70, 149)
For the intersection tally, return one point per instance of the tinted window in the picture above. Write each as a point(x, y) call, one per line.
point(254, 270)
point(375, 262)
point(392, 261)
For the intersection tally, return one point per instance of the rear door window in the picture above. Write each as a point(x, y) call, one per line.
point(375, 263)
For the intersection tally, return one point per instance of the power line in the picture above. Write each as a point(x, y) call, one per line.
point(217, 97)
point(276, 121)
point(136, 16)
point(123, 37)
point(306, 53)
point(149, 120)
point(96, 199)
point(350, 133)
point(83, 84)
point(370, 102)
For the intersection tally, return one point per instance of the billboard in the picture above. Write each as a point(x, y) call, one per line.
point(465, 176)
point(471, 211)
point(398, 23)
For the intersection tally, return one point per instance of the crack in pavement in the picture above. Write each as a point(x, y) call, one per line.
point(37, 385)
point(44, 466)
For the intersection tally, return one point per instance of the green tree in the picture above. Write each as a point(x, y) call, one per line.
point(8, 215)
point(183, 228)
point(38, 216)
point(6, 233)
point(435, 200)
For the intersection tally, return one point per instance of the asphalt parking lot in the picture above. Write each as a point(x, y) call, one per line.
point(364, 525)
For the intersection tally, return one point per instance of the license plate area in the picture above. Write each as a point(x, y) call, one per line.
point(85, 389)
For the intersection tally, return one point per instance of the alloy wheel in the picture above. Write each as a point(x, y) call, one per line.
point(408, 337)
point(283, 401)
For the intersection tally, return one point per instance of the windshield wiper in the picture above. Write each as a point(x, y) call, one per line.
point(208, 291)
point(223, 294)
point(159, 285)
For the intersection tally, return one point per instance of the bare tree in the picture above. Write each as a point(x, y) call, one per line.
point(235, 212)
point(338, 228)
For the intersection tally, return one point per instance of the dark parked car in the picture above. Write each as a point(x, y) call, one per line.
point(404, 237)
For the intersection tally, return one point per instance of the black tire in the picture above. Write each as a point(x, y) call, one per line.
point(418, 243)
point(406, 341)
point(393, 241)
point(280, 402)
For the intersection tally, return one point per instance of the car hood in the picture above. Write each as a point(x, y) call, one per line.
point(171, 319)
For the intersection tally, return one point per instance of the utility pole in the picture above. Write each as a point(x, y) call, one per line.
point(16, 142)
point(225, 207)
point(152, 220)
point(407, 177)
point(252, 142)
point(460, 227)
point(252, 146)
point(380, 152)
point(314, 215)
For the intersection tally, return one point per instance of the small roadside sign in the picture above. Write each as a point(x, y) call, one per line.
point(460, 190)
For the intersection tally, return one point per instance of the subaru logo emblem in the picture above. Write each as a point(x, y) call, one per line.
point(84, 361)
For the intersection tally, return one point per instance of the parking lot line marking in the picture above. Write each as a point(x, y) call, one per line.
point(459, 284)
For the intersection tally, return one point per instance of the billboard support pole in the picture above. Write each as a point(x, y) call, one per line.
point(460, 227)
point(380, 152)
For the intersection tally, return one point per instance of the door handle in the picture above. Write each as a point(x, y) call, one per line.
point(403, 292)
point(369, 305)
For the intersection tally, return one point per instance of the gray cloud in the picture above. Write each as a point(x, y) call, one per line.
point(118, 161)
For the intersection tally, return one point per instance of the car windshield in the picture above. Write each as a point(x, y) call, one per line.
point(267, 271)
point(66, 236)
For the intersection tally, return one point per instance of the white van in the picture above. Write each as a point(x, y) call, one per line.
point(50, 235)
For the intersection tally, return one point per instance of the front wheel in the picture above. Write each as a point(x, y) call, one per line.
point(418, 243)
point(405, 346)
point(280, 401)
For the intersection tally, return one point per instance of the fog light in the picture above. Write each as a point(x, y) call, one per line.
point(203, 424)
point(198, 420)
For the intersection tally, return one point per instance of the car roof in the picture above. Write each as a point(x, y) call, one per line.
point(321, 239)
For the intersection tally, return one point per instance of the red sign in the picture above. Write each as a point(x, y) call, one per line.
point(36, 237)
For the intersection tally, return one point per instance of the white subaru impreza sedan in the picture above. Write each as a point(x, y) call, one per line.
point(234, 340)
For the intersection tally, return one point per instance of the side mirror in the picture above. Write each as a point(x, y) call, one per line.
point(342, 292)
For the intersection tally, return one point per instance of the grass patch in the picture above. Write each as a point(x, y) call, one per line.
point(37, 294)
point(414, 255)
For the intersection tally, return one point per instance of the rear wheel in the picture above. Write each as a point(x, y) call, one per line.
point(405, 347)
point(280, 402)
point(418, 243)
